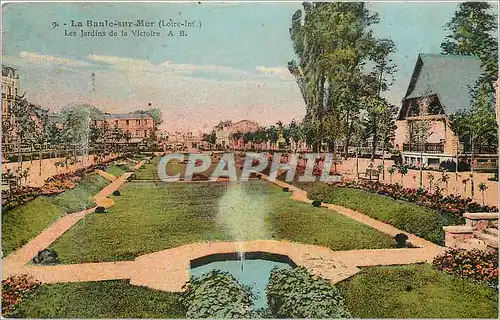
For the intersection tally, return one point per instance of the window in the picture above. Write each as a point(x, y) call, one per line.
point(145, 133)
point(127, 122)
point(137, 133)
point(138, 122)
point(145, 121)
point(116, 123)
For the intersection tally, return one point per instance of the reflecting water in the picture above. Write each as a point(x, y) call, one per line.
point(255, 274)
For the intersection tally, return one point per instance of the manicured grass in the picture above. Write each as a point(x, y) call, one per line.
point(303, 223)
point(115, 170)
point(416, 291)
point(23, 223)
point(79, 198)
point(403, 215)
point(149, 217)
point(104, 299)
point(148, 171)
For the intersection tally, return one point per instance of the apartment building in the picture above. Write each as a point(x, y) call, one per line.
point(225, 129)
point(137, 124)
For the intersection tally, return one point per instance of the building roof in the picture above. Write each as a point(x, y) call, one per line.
point(130, 115)
point(450, 77)
point(10, 72)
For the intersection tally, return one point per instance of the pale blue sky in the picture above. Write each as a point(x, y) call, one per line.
point(232, 67)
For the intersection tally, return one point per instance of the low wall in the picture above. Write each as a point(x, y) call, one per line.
point(39, 172)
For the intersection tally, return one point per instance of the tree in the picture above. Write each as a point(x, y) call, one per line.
point(391, 171)
point(472, 31)
point(478, 124)
point(24, 115)
point(379, 122)
point(332, 41)
point(296, 133)
point(155, 113)
point(210, 137)
point(482, 188)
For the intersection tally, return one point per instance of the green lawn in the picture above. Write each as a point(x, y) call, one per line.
point(148, 171)
point(79, 198)
point(416, 291)
point(24, 222)
point(148, 217)
point(406, 216)
point(115, 170)
point(105, 299)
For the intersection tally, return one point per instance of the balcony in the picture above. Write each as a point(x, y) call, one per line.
point(480, 149)
point(424, 147)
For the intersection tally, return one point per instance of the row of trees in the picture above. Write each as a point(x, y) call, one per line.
point(30, 125)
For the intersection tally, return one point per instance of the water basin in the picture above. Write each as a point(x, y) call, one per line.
point(253, 270)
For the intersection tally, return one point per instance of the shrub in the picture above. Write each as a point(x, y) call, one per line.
point(216, 294)
point(14, 289)
point(116, 193)
point(100, 209)
point(401, 240)
point(46, 256)
point(451, 166)
point(473, 264)
point(285, 189)
point(299, 294)
point(316, 203)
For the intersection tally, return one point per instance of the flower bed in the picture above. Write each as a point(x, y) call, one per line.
point(14, 289)
point(474, 264)
point(450, 204)
point(52, 186)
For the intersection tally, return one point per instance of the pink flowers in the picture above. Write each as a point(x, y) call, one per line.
point(14, 288)
point(474, 264)
point(450, 204)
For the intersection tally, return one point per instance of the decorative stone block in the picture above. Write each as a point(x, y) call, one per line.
point(455, 235)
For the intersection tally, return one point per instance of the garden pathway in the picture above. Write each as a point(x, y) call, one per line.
point(19, 258)
point(106, 175)
point(168, 270)
point(301, 195)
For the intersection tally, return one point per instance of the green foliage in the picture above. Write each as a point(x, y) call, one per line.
point(299, 294)
point(100, 209)
point(416, 291)
point(333, 42)
point(153, 217)
point(406, 216)
point(77, 123)
point(79, 198)
point(216, 294)
point(100, 299)
point(209, 137)
point(24, 222)
point(472, 32)
point(115, 170)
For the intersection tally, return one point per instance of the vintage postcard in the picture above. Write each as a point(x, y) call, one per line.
point(250, 159)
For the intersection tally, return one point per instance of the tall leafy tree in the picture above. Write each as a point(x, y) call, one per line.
point(332, 42)
point(472, 32)
point(478, 124)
